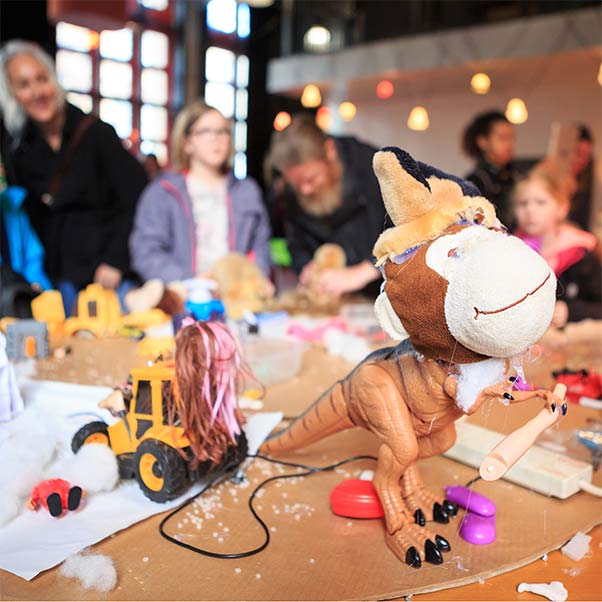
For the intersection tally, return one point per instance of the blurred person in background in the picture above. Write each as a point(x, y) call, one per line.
point(583, 171)
point(190, 218)
point(82, 185)
point(329, 195)
point(541, 206)
point(489, 140)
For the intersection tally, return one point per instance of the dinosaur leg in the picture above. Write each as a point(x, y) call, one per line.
point(425, 505)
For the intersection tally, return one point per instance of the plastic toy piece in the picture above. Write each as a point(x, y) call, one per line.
point(515, 445)
point(470, 500)
point(166, 440)
point(356, 498)
point(56, 495)
point(26, 339)
point(477, 529)
point(48, 307)
point(580, 383)
point(554, 590)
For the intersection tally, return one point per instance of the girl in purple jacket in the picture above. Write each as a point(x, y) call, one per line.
point(189, 219)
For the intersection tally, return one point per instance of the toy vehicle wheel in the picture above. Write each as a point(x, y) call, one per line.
point(160, 471)
point(93, 432)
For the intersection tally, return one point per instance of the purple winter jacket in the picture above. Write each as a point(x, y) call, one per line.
point(163, 240)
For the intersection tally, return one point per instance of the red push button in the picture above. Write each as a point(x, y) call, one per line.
point(355, 498)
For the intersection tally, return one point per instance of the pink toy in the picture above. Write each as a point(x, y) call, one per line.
point(315, 335)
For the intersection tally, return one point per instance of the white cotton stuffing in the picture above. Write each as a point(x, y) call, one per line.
point(350, 347)
point(94, 571)
point(475, 377)
point(94, 468)
point(27, 444)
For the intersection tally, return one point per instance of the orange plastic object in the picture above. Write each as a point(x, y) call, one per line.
point(48, 307)
point(355, 498)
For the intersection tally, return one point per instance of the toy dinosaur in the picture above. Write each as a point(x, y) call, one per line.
point(464, 298)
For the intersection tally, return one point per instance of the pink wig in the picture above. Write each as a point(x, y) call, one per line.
point(209, 375)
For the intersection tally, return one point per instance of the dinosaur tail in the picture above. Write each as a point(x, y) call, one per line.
point(326, 416)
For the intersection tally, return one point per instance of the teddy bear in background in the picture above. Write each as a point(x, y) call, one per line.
point(309, 298)
point(241, 285)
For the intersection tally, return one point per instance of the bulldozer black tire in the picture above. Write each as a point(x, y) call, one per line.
point(168, 476)
point(87, 432)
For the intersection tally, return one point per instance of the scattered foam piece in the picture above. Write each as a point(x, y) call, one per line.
point(577, 547)
point(366, 475)
point(554, 590)
point(94, 571)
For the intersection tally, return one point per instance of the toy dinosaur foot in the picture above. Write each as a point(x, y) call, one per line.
point(421, 503)
point(450, 507)
point(416, 545)
point(54, 504)
point(440, 515)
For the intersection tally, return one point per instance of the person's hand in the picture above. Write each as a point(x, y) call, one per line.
point(561, 314)
point(346, 280)
point(107, 276)
point(307, 273)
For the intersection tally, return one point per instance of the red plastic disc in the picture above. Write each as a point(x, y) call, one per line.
point(355, 498)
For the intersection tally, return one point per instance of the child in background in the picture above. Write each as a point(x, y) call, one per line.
point(541, 205)
point(189, 219)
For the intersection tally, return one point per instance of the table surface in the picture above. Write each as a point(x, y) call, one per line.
point(582, 579)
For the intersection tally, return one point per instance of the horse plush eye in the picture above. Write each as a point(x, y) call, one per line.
point(453, 252)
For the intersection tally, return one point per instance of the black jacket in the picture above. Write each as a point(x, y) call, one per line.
point(91, 218)
point(496, 185)
point(355, 225)
point(580, 286)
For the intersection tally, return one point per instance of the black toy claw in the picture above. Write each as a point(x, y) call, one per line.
point(512, 379)
point(439, 514)
point(419, 517)
point(564, 408)
point(442, 543)
point(432, 553)
point(450, 508)
point(412, 558)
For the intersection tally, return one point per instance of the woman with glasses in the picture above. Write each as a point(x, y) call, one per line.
point(190, 218)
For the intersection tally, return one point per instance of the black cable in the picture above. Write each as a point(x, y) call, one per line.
point(478, 477)
point(308, 470)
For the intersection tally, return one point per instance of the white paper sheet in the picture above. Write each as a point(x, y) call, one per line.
point(34, 541)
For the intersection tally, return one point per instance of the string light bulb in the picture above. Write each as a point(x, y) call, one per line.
point(516, 111)
point(324, 118)
point(418, 119)
point(347, 111)
point(480, 83)
point(311, 97)
point(385, 89)
point(282, 121)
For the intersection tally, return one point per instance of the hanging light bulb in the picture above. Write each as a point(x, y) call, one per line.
point(282, 121)
point(480, 83)
point(347, 111)
point(516, 111)
point(418, 119)
point(311, 96)
point(317, 39)
point(385, 89)
point(324, 118)
point(600, 75)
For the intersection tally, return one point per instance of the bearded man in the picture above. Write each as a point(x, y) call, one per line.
point(331, 196)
